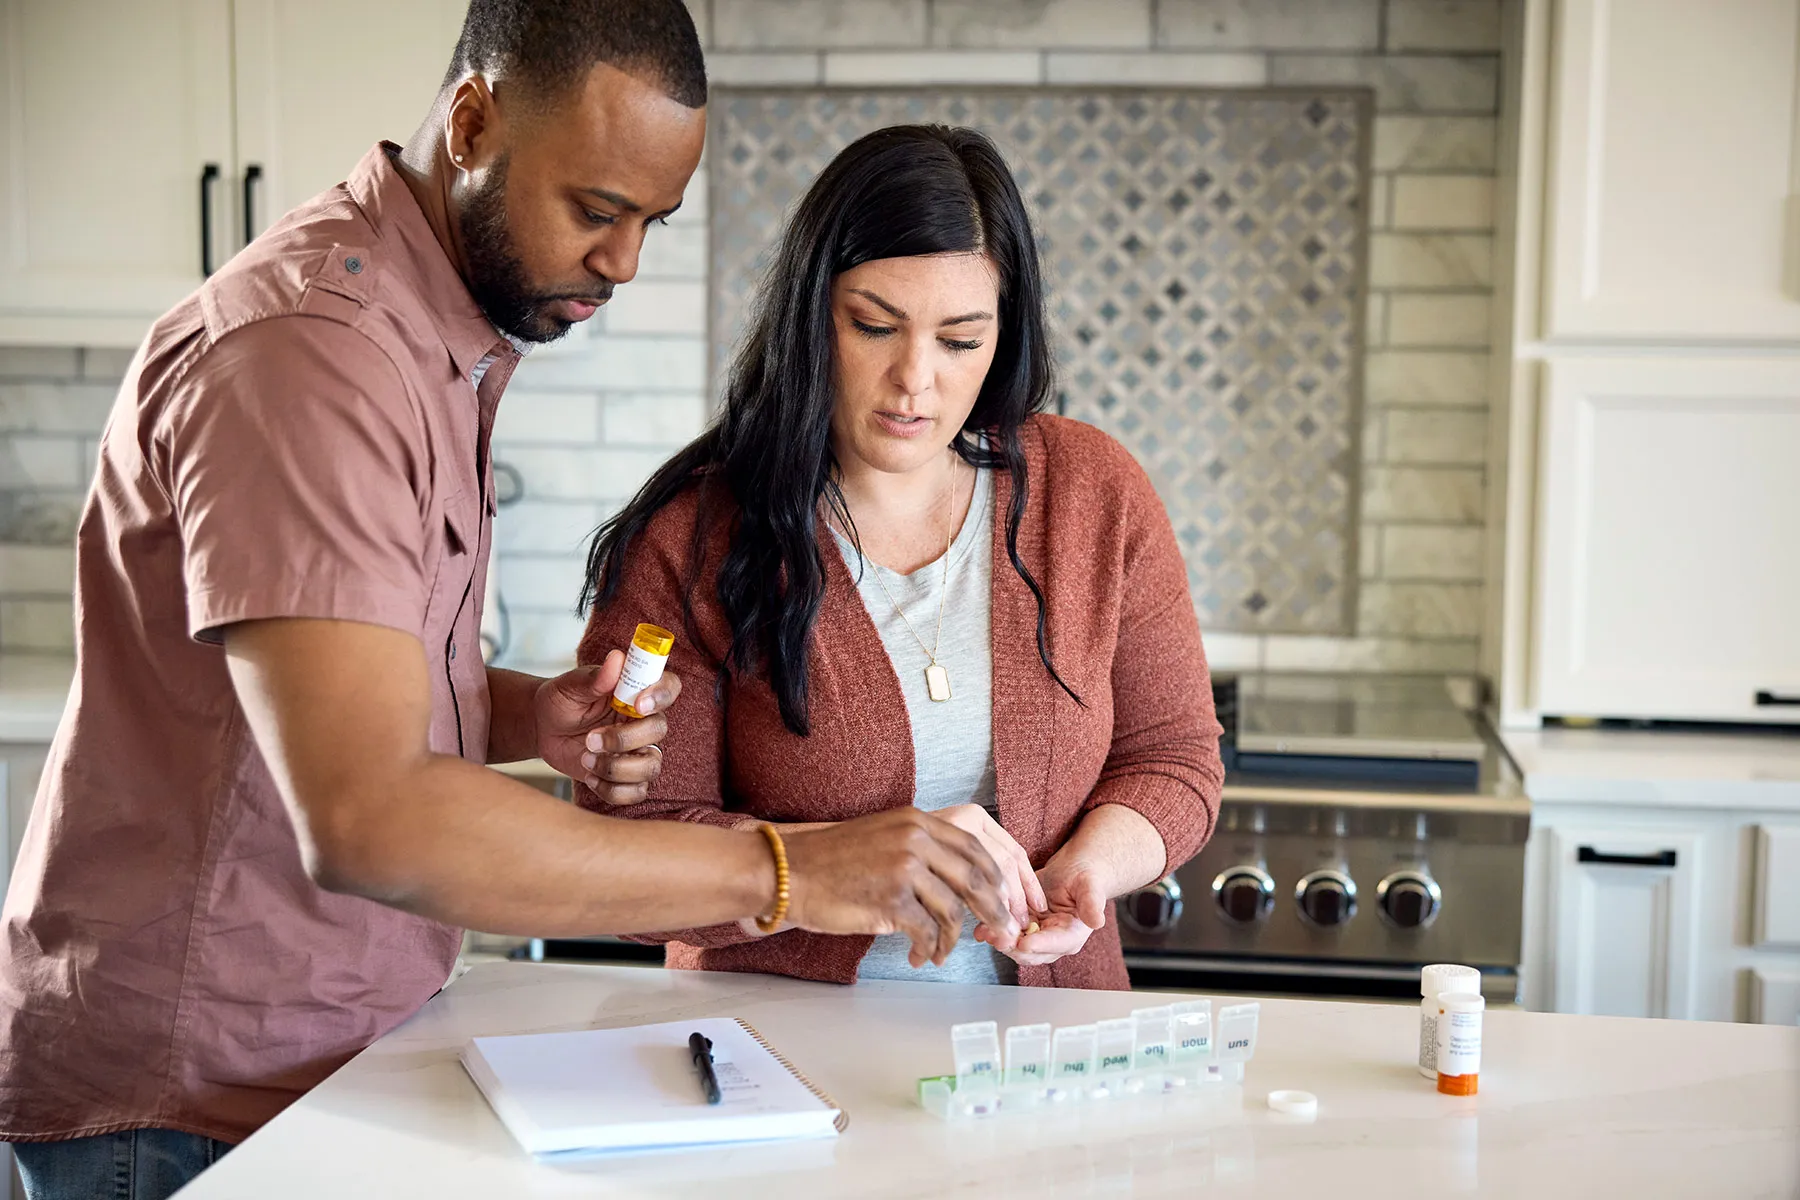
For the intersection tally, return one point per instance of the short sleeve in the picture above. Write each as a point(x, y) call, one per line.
point(296, 465)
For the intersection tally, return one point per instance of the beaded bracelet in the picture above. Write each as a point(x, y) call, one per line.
point(772, 922)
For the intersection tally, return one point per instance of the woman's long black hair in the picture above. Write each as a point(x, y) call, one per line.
point(896, 193)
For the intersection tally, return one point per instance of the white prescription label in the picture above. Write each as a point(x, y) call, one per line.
point(642, 669)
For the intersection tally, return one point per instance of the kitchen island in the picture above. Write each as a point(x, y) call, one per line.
point(1570, 1106)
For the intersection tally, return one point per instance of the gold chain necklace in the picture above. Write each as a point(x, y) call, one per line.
point(937, 679)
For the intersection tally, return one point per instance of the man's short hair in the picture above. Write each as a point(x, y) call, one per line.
point(549, 46)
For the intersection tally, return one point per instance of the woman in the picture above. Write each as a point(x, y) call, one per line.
point(915, 589)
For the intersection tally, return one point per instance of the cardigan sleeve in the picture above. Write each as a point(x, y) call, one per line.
point(1164, 760)
point(652, 588)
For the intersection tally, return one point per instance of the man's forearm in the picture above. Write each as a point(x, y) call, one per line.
point(467, 846)
point(512, 725)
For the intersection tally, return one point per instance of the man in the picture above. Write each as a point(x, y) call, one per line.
point(266, 813)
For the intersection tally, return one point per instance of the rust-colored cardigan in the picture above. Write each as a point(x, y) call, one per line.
point(1121, 630)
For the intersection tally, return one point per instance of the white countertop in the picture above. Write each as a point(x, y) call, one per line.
point(1570, 1106)
point(1658, 768)
point(33, 690)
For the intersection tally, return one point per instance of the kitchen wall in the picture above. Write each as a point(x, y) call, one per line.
point(585, 420)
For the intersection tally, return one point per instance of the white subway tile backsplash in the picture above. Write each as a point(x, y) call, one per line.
point(42, 407)
point(1039, 24)
point(911, 68)
point(39, 362)
point(1232, 651)
point(1413, 84)
point(36, 570)
point(1294, 653)
point(1409, 143)
point(1443, 202)
point(542, 639)
point(1381, 201)
point(541, 581)
point(1431, 260)
point(583, 473)
point(622, 362)
point(658, 306)
point(815, 24)
point(1439, 320)
point(1368, 552)
point(654, 420)
point(1447, 378)
point(677, 251)
point(1431, 552)
point(546, 418)
point(1436, 437)
point(41, 462)
point(105, 364)
point(752, 70)
point(1156, 69)
point(38, 625)
point(1421, 610)
point(1443, 25)
point(533, 526)
point(1423, 494)
point(1269, 24)
point(1375, 320)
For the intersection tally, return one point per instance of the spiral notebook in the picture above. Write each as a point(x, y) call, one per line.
point(619, 1091)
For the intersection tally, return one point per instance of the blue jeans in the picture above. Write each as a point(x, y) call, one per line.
point(136, 1164)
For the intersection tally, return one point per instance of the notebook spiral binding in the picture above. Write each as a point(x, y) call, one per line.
point(843, 1118)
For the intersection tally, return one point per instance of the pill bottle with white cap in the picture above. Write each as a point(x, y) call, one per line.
point(1434, 981)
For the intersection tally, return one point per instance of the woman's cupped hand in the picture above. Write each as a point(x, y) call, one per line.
point(1066, 900)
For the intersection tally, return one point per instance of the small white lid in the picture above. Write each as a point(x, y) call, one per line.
point(1439, 978)
point(1462, 1002)
point(1294, 1104)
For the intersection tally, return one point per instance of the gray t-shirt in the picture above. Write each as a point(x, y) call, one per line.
point(953, 740)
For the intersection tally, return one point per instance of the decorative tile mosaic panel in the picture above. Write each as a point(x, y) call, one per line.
point(1206, 258)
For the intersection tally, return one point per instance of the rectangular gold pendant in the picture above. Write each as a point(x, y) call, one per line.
point(937, 682)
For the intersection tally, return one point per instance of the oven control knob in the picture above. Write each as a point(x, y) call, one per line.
point(1245, 894)
point(1409, 899)
point(1153, 909)
point(1326, 897)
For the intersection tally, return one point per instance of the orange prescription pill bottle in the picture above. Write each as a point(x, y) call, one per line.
point(644, 663)
point(1459, 1043)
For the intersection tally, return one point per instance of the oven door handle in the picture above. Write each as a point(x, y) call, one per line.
point(1662, 858)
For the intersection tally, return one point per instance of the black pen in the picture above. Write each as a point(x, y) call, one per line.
point(701, 1048)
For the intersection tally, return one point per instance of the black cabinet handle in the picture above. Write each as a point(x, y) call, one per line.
point(209, 175)
point(1766, 699)
point(1662, 858)
point(252, 176)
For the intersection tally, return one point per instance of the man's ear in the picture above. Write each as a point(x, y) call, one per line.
point(474, 129)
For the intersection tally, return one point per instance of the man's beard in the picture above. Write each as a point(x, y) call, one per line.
point(497, 277)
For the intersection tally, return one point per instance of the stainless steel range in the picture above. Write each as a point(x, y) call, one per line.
point(1368, 827)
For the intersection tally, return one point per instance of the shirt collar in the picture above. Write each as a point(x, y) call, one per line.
point(378, 189)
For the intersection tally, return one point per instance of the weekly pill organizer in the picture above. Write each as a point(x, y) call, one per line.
point(1169, 1048)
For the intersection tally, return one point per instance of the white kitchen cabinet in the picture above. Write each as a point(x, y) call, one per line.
point(1625, 907)
point(1673, 210)
point(118, 146)
point(320, 81)
point(106, 139)
point(1669, 539)
point(1650, 910)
